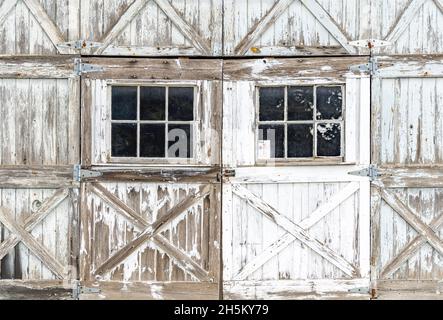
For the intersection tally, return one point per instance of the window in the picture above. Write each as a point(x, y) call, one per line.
point(300, 122)
point(152, 121)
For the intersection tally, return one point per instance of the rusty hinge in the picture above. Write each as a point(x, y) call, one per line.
point(78, 289)
point(80, 67)
point(370, 43)
point(372, 172)
point(371, 66)
point(226, 173)
point(359, 290)
point(79, 44)
point(80, 174)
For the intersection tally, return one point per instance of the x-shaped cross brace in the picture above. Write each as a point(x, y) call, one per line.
point(23, 233)
point(294, 231)
point(151, 232)
point(427, 234)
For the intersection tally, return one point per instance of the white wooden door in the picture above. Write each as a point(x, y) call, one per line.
point(298, 227)
point(407, 196)
point(40, 144)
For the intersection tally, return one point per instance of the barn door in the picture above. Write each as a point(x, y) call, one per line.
point(150, 192)
point(295, 222)
point(406, 202)
point(40, 144)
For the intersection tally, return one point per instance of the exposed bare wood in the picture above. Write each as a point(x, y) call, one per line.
point(36, 177)
point(404, 20)
point(6, 8)
point(289, 68)
point(412, 219)
point(295, 230)
point(37, 67)
point(118, 28)
point(41, 252)
point(151, 231)
point(47, 24)
point(184, 26)
point(409, 250)
point(257, 30)
point(326, 20)
point(288, 238)
point(162, 69)
point(33, 220)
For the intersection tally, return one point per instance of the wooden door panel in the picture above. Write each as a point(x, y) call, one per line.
point(406, 195)
point(150, 233)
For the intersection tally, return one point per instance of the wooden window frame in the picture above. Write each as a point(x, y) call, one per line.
point(305, 160)
point(195, 128)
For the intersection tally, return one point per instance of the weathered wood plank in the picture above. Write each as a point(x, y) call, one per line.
point(404, 20)
point(162, 69)
point(118, 28)
point(41, 252)
point(261, 26)
point(36, 177)
point(412, 219)
point(288, 68)
point(6, 8)
point(35, 290)
point(411, 177)
point(52, 31)
point(325, 19)
point(153, 291)
point(33, 220)
point(424, 66)
point(184, 27)
point(295, 230)
point(21, 67)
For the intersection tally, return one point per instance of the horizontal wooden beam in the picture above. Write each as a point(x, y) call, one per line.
point(37, 67)
point(37, 177)
point(157, 175)
point(412, 177)
point(289, 68)
point(422, 66)
point(155, 69)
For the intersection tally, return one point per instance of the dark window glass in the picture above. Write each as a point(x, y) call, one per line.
point(276, 134)
point(124, 140)
point(272, 104)
point(328, 139)
point(300, 140)
point(152, 140)
point(329, 103)
point(152, 103)
point(179, 141)
point(181, 104)
point(124, 103)
point(300, 103)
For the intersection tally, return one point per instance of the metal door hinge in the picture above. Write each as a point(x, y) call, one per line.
point(78, 289)
point(79, 44)
point(80, 67)
point(370, 43)
point(80, 174)
point(359, 290)
point(226, 173)
point(372, 172)
point(371, 67)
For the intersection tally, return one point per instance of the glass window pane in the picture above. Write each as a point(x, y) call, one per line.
point(181, 104)
point(152, 140)
point(275, 148)
point(124, 103)
point(300, 141)
point(300, 103)
point(179, 141)
point(124, 140)
point(329, 140)
point(272, 104)
point(329, 103)
point(152, 103)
